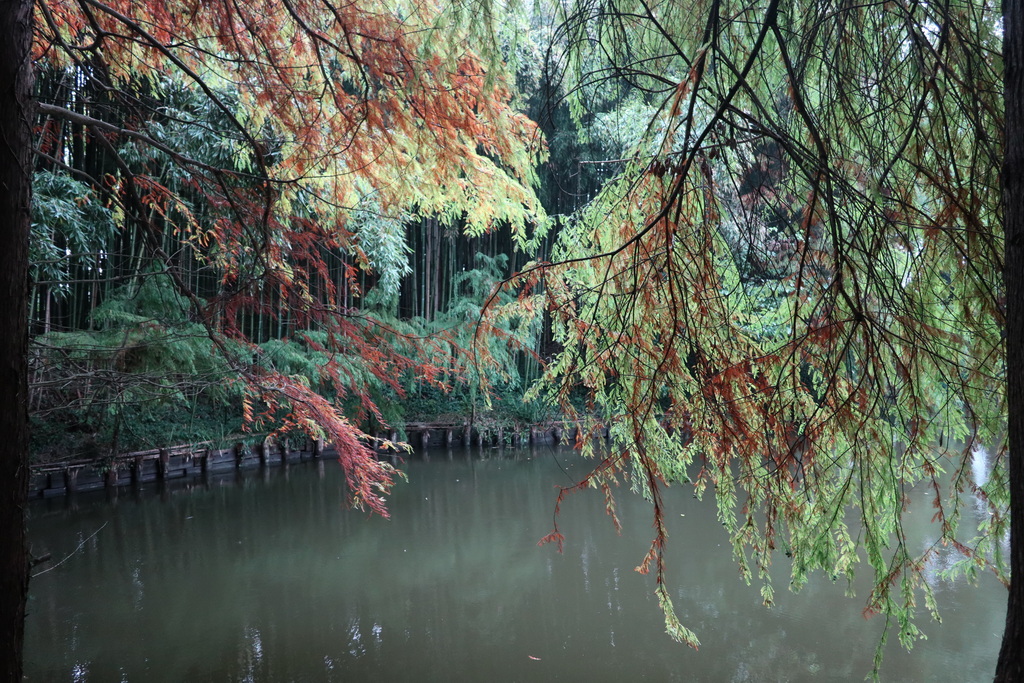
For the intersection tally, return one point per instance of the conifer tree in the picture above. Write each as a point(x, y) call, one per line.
point(792, 292)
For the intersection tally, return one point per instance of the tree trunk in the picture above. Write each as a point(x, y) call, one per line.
point(1011, 656)
point(15, 219)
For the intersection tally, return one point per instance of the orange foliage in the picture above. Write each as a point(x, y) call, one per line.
point(325, 103)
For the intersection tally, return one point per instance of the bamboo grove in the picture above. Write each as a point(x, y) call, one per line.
point(215, 177)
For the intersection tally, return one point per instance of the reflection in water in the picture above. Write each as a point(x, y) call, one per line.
point(940, 564)
point(980, 466)
point(269, 578)
point(251, 655)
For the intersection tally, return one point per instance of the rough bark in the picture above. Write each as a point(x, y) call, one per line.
point(15, 217)
point(1011, 655)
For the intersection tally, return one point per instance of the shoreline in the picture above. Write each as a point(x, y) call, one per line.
point(65, 478)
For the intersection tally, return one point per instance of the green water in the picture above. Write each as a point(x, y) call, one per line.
point(267, 577)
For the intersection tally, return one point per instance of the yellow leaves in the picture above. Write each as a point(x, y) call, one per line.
point(247, 414)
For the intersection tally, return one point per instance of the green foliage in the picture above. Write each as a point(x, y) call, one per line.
point(69, 225)
point(144, 364)
point(192, 125)
point(380, 239)
point(505, 332)
point(478, 345)
point(152, 299)
point(797, 271)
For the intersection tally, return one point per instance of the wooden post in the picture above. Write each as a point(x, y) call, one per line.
point(533, 436)
point(110, 477)
point(161, 464)
point(284, 452)
point(137, 470)
point(263, 447)
point(501, 436)
point(70, 479)
point(424, 439)
point(239, 454)
point(556, 434)
point(467, 435)
point(448, 437)
point(318, 448)
point(204, 462)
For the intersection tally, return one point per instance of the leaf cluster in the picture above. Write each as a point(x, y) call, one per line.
point(789, 295)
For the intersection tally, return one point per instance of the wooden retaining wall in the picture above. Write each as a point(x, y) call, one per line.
point(422, 435)
point(196, 460)
point(161, 464)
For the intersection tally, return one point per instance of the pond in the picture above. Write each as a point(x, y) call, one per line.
point(265, 576)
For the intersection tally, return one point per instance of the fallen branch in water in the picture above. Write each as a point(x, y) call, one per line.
point(69, 555)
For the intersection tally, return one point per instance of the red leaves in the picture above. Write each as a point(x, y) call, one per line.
point(554, 537)
point(309, 107)
point(369, 480)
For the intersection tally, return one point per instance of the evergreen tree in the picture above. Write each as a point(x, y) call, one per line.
point(792, 292)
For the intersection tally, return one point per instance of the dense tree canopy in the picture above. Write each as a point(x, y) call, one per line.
point(249, 145)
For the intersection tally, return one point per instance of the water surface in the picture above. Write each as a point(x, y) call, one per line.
point(267, 577)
